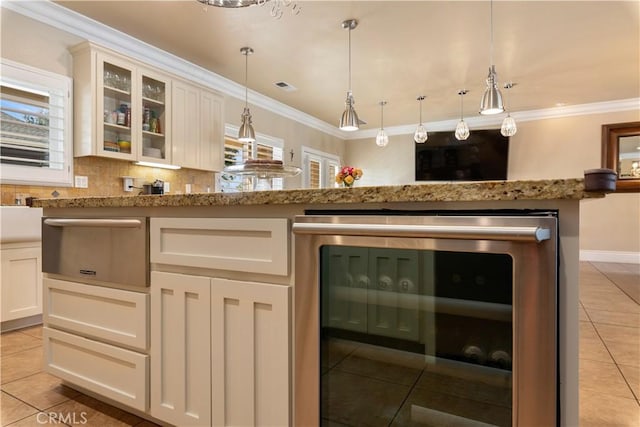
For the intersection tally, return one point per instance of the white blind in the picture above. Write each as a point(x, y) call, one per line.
point(314, 174)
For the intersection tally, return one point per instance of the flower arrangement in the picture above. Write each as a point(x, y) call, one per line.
point(348, 175)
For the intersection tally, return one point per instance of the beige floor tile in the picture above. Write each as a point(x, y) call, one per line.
point(41, 390)
point(632, 375)
point(390, 372)
point(615, 318)
point(146, 423)
point(624, 353)
point(34, 331)
point(334, 351)
point(13, 342)
point(38, 419)
point(91, 412)
point(621, 302)
point(13, 409)
point(600, 410)
point(591, 346)
point(583, 314)
point(22, 364)
point(618, 333)
point(603, 378)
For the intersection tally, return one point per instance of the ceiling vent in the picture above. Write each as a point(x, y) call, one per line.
point(286, 86)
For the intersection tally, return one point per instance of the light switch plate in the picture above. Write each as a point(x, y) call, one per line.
point(167, 187)
point(81, 181)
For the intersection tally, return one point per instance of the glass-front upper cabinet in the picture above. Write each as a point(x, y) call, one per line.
point(155, 116)
point(116, 135)
point(122, 110)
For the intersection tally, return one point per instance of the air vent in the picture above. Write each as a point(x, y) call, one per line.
point(286, 86)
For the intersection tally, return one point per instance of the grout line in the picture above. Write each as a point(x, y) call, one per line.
point(415, 383)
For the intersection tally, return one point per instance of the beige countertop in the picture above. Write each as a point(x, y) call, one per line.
point(552, 189)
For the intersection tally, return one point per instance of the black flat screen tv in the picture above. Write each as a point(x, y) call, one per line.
point(482, 157)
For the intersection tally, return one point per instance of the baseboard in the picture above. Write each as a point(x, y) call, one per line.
point(10, 325)
point(610, 256)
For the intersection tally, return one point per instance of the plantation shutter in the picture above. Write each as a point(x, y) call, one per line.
point(314, 174)
point(32, 127)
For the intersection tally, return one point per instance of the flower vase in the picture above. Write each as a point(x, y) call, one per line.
point(347, 185)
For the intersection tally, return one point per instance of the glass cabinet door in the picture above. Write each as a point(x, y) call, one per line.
point(115, 87)
point(154, 115)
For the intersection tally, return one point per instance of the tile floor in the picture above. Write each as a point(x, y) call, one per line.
point(609, 363)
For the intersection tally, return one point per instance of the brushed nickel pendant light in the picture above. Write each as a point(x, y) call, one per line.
point(349, 120)
point(382, 139)
point(246, 132)
point(420, 135)
point(462, 129)
point(492, 99)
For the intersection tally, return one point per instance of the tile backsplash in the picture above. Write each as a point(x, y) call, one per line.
point(105, 179)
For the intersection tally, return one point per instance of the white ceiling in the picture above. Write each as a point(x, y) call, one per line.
point(557, 52)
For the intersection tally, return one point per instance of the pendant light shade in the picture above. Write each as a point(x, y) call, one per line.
point(382, 139)
point(246, 132)
point(462, 129)
point(349, 120)
point(492, 99)
point(509, 127)
point(420, 135)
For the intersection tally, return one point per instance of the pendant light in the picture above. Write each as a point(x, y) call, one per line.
point(492, 99)
point(246, 132)
point(420, 135)
point(382, 139)
point(349, 120)
point(509, 127)
point(462, 129)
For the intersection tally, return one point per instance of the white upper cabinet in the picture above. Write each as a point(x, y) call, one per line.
point(197, 127)
point(127, 110)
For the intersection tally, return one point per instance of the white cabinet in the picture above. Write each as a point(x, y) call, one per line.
point(96, 337)
point(122, 108)
point(21, 288)
point(180, 354)
point(250, 353)
point(221, 351)
point(197, 127)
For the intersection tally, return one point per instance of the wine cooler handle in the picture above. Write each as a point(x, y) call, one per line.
point(466, 232)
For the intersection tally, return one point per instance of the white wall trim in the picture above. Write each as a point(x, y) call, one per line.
point(610, 256)
point(74, 23)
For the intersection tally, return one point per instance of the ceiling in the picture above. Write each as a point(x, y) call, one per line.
point(557, 53)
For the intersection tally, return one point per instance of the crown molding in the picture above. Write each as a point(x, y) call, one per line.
point(520, 116)
point(74, 23)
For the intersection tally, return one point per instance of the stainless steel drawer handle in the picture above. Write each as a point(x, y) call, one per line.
point(83, 222)
point(523, 234)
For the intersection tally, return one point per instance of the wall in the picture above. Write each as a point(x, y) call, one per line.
point(551, 148)
point(45, 47)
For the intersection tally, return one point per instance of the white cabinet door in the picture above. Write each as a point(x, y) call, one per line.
point(180, 349)
point(185, 129)
point(211, 132)
point(21, 289)
point(250, 353)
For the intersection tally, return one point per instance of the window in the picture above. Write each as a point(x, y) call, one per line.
point(236, 152)
point(320, 168)
point(35, 126)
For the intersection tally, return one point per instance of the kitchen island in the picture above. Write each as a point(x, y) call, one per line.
point(212, 252)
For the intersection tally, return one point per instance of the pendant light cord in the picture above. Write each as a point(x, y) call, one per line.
point(420, 111)
point(491, 23)
point(461, 106)
point(349, 59)
point(382, 115)
point(246, 78)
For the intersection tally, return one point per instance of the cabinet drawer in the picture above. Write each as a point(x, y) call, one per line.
point(255, 245)
point(113, 315)
point(121, 375)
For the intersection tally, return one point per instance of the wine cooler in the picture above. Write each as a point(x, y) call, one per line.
point(423, 320)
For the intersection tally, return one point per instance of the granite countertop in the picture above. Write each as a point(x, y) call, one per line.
point(432, 192)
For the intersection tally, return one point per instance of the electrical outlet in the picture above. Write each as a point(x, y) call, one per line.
point(187, 188)
point(167, 187)
point(81, 181)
